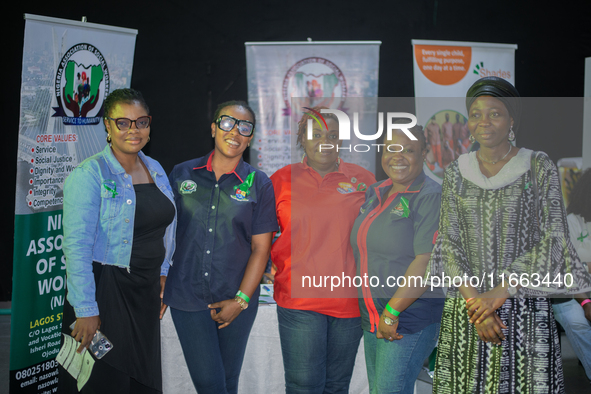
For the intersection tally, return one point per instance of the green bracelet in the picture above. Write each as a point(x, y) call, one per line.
point(392, 310)
point(243, 296)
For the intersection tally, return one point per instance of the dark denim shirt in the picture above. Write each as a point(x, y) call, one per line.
point(216, 222)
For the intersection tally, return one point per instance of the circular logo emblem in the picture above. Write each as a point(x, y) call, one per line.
point(316, 78)
point(187, 187)
point(81, 84)
point(239, 195)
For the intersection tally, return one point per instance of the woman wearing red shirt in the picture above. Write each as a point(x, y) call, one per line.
point(317, 202)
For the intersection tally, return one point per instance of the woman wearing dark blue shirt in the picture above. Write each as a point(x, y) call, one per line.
point(226, 220)
point(392, 240)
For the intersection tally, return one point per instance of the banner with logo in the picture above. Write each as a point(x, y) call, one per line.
point(446, 70)
point(68, 69)
point(324, 73)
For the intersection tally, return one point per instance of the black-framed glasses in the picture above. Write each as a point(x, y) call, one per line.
point(227, 122)
point(124, 124)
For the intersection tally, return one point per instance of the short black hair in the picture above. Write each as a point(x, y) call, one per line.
point(123, 96)
point(234, 103)
point(303, 123)
point(416, 130)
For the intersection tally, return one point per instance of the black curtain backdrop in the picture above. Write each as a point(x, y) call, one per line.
point(190, 56)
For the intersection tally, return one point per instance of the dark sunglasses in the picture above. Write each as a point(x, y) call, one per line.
point(227, 123)
point(124, 124)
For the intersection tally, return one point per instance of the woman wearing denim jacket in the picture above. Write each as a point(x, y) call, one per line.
point(119, 226)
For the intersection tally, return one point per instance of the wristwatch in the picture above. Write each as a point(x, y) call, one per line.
point(243, 304)
point(390, 322)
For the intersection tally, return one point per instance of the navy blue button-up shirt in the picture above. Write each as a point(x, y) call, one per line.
point(216, 222)
point(386, 239)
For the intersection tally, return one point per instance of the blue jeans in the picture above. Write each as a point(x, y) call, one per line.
point(571, 317)
point(393, 367)
point(318, 351)
point(214, 357)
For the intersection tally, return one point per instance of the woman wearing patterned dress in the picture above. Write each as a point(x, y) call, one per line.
point(503, 230)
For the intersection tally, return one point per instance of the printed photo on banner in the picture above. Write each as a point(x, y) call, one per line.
point(447, 138)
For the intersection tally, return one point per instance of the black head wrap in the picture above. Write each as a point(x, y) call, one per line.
point(500, 89)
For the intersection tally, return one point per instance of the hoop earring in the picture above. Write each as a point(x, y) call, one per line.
point(108, 138)
point(511, 135)
point(472, 139)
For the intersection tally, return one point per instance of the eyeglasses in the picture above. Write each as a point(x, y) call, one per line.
point(227, 123)
point(124, 124)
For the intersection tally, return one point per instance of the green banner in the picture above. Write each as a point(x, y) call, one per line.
point(38, 300)
point(64, 84)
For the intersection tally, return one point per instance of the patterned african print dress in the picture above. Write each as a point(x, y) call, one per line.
point(489, 228)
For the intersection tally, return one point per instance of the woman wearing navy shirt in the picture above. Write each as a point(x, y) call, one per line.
point(226, 219)
point(392, 240)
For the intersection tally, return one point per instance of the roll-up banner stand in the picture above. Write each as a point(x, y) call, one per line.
point(68, 69)
point(587, 116)
point(324, 74)
point(443, 73)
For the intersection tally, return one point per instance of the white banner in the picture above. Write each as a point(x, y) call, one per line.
point(68, 69)
point(325, 73)
point(587, 116)
point(446, 70)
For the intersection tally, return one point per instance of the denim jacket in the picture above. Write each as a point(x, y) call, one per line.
point(98, 219)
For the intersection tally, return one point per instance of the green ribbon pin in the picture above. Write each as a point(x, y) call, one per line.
point(405, 208)
point(246, 185)
point(111, 187)
point(582, 237)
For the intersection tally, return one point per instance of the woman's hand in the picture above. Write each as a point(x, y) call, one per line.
point(163, 306)
point(479, 308)
point(490, 330)
point(84, 330)
point(404, 297)
point(388, 332)
point(229, 310)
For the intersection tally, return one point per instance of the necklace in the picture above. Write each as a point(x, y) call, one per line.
point(494, 162)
